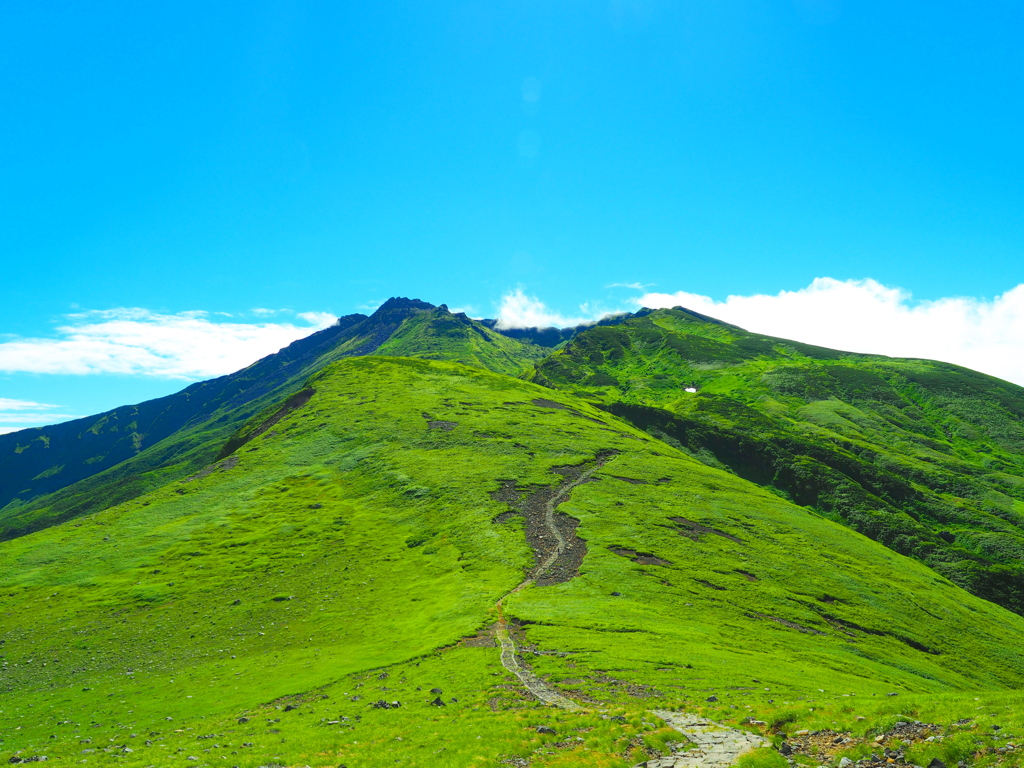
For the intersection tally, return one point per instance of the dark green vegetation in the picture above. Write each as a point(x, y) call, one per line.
point(275, 569)
point(56, 473)
point(925, 457)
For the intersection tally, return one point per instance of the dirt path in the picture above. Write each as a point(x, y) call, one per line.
point(718, 746)
point(534, 684)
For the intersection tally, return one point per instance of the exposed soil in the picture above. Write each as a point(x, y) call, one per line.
point(644, 558)
point(785, 623)
point(695, 531)
point(446, 426)
point(482, 639)
point(558, 552)
point(709, 585)
point(633, 480)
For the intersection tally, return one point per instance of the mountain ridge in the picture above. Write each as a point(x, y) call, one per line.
point(133, 446)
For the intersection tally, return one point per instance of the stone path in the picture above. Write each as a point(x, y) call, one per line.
point(718, 746)
point(533, 684)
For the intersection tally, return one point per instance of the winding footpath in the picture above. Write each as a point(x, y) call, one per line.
point(534, 684)
point(716, 745)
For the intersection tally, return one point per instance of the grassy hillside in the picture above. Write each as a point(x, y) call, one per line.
point(57, 473)
point(926, 457)
point(440, 335)
point(354, 550)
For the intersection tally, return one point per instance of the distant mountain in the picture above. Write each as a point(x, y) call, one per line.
point(925, 457)
point(54, 473)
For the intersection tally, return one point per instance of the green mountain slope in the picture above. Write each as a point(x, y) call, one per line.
point(438, 334)
point(926, 457)
point(354, 550)
point(63, 471)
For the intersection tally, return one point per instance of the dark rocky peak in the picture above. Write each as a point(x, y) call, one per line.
point(401, 303)
point(379, 326)
point(347, 321)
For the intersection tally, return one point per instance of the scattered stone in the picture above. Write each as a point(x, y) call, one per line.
point(617, 719)
point(436, 691)
point(785, 749)
point(237, 602)
point(616, 594)
point(845, 762)
point(437, 702)
point(711, 699)
point(545, 729)
point(892, 694)
point(243, 720)
point(936, 763)
point(290, 707)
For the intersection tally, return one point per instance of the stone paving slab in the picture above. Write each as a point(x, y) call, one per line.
point(717, 745)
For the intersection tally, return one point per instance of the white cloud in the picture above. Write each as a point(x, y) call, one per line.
point(27, 413)
point(317, 319)
point(185, 345)
point(517, 310)
point(866, 316)
point(35, 418)
point(7, 404)
point(631, 286)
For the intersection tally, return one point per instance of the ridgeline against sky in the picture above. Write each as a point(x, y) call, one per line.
point(245, 159)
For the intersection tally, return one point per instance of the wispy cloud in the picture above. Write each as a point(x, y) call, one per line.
point(131, 340)
point(866, 316)
point(7, 404)
point(517, 310)
point(631, 286)
point(27, 413)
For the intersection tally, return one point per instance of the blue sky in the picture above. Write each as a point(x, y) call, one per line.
point(320, 157)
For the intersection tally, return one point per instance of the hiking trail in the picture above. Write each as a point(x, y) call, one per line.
point(534, 684)
point(717, 745)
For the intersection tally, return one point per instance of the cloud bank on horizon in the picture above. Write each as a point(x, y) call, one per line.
point(852, 315)
point(134, 341)
point(855, 315)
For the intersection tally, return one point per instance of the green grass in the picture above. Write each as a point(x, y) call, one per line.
point(52, 474)
point(925, 457)
point(351, 539)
